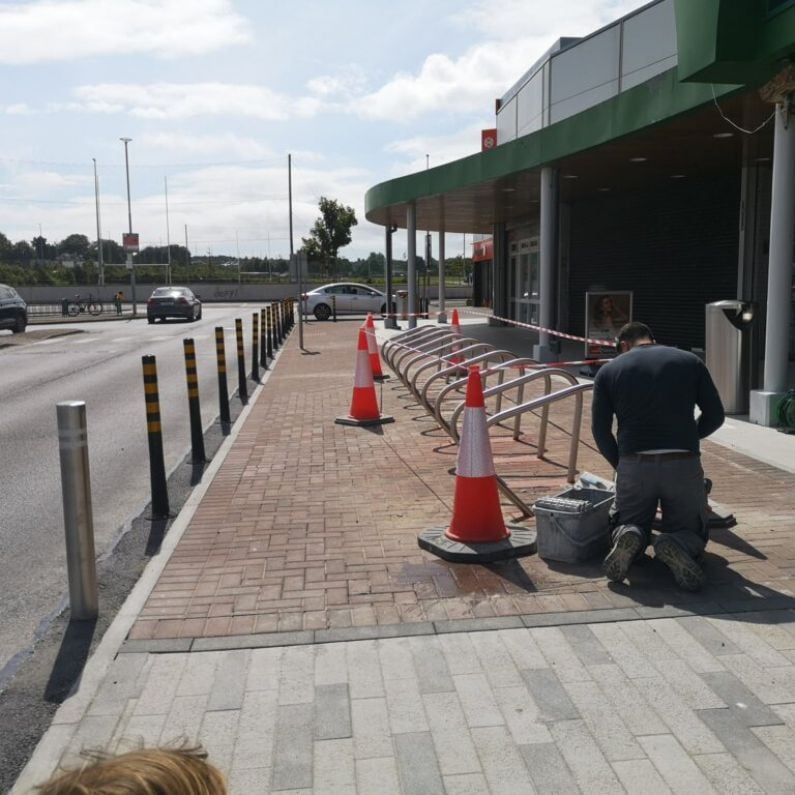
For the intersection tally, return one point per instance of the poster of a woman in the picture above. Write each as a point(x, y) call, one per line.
point(605, 313)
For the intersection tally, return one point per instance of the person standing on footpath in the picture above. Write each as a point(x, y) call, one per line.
point(653, 391)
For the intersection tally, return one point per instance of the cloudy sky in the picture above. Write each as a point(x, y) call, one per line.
point(215, 93)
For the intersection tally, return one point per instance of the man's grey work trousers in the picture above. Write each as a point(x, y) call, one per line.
point(675, 481)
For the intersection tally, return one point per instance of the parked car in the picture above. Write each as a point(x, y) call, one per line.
point(13, 310)
point(350, 298)
point(168, 302)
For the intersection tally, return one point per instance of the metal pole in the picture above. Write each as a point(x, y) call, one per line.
point(187, 258)
point(411, 263)
point(547, 255)
point(157, 465)
point(391, 320)
point(78, 517)
point(223, 391)
point(779, 275)
point(241, 361)
point(100, 263)
point(255, 346)
point(292, 254)
point(129, 225)
point(442, 316)
point(168, 236)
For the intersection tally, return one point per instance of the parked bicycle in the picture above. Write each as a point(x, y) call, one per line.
point(79, 304)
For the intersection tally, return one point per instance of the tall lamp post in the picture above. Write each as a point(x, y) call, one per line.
point(129, 223)
point(99, 227)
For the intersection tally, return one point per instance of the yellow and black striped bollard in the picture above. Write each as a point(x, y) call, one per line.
point(277, 334)
point(263, 350)
point(255, 346)
point(242, 392)
point(223, 390)
point(157, 466)
point(271, 345)
point(191, 374)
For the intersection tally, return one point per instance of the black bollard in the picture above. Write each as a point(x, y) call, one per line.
point(198, 455)
point(263, 351)
point(157, 466)
point(241, 362)
point(255, 346)
point(223, 391)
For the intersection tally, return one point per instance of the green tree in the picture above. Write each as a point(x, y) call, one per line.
point(76, 246)
point(331, 232)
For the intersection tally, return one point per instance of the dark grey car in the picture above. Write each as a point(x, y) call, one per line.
point(173, 302)
point(13, 310)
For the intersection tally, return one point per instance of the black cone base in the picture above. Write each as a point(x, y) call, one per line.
point(520, 543)
point(348, 420)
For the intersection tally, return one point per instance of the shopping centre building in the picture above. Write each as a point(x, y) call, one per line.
point(643, 171)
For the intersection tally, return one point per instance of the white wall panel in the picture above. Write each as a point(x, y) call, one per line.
point(649, 44)
point(530, 109)
point(506, 122)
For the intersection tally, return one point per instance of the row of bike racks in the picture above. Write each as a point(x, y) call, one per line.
point(433, 362)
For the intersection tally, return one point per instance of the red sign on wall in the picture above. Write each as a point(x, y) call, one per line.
point(488, 140)
point(129, 241)
point(483, 250)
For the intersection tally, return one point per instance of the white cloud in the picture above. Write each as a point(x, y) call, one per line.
point(229, 145)
point(18, 109)
point(182, 100)
point(440, 149)
point(58, 30)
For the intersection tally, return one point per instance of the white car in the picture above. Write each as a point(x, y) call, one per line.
point(349, 297)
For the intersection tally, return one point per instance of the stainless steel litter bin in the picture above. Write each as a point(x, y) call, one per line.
point(728, 351)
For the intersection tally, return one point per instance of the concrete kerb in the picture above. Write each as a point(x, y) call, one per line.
point(49, 749)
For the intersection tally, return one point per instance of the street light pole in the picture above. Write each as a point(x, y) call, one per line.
point(129, 224)
point(99, 227)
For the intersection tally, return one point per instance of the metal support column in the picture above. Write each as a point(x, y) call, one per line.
point(441, 317)
point(547, 257)
point(411, 262)
point(391, 320)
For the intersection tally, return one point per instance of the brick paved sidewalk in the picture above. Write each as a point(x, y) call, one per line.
point(310, 525)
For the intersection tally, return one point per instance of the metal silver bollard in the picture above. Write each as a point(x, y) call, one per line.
point(77, 513)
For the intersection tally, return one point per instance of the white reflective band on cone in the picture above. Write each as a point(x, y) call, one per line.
point(474, 454)
point(372, 346)
point(364, 373)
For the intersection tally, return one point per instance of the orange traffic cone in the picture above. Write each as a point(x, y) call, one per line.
point(477, 532)
point(364, 403)
point(372, 348)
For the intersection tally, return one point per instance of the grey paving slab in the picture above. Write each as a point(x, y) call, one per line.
point(640, 777)
point(430, 666)
point(139, 731)
point(695, 608)
point(741, 633)
point(452, 739)
point(261, 641)
point(780, 740)
point(374, 632)
point(676, 767)
point(770, 685)
point(183, 720)
point(591, 770)
point(121, 726)
point(396, 659)
point(229, 683)
point(156, 646)
point(405, 707)
point(293, 752)
point(603, 722)
point(466, 784)
point(744, 705)
point(364, 671)
point(161, 684)
point(477, 700)
point(523, 649)
point(503, 765)
point(263, 669)
point(199, 674)
point(119, 686)
point(256, 730)
point(776, 628)
point(677, 715)
point(477, 624)
point(708, 636)
point(786, 712)
point(332, 712)
point(254, 781)
point(370, 722)
point(522, 715)
point(331, 667)
point(377, 775)
point(559, 654)
point(218, 734)
point(628, 702)
point(496, 661)
point(763, 765)
point(623, 651)
point(418, 769)
point(586, 645)
point(686, 646)
point(548, 769)
point(297, 675)
point(334, 770)
point(573, 617)
point(549, 696)
point(93, 733)
point(460, 654)
point(726, 774)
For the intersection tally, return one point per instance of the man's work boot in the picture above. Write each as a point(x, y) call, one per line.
point(620, 557)
point(687, 573)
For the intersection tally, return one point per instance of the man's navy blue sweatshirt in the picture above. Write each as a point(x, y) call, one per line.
point(653, 391)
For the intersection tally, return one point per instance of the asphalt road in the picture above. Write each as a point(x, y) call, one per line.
point(102, 366)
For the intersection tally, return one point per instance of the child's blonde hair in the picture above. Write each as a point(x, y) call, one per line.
point(151, 771)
